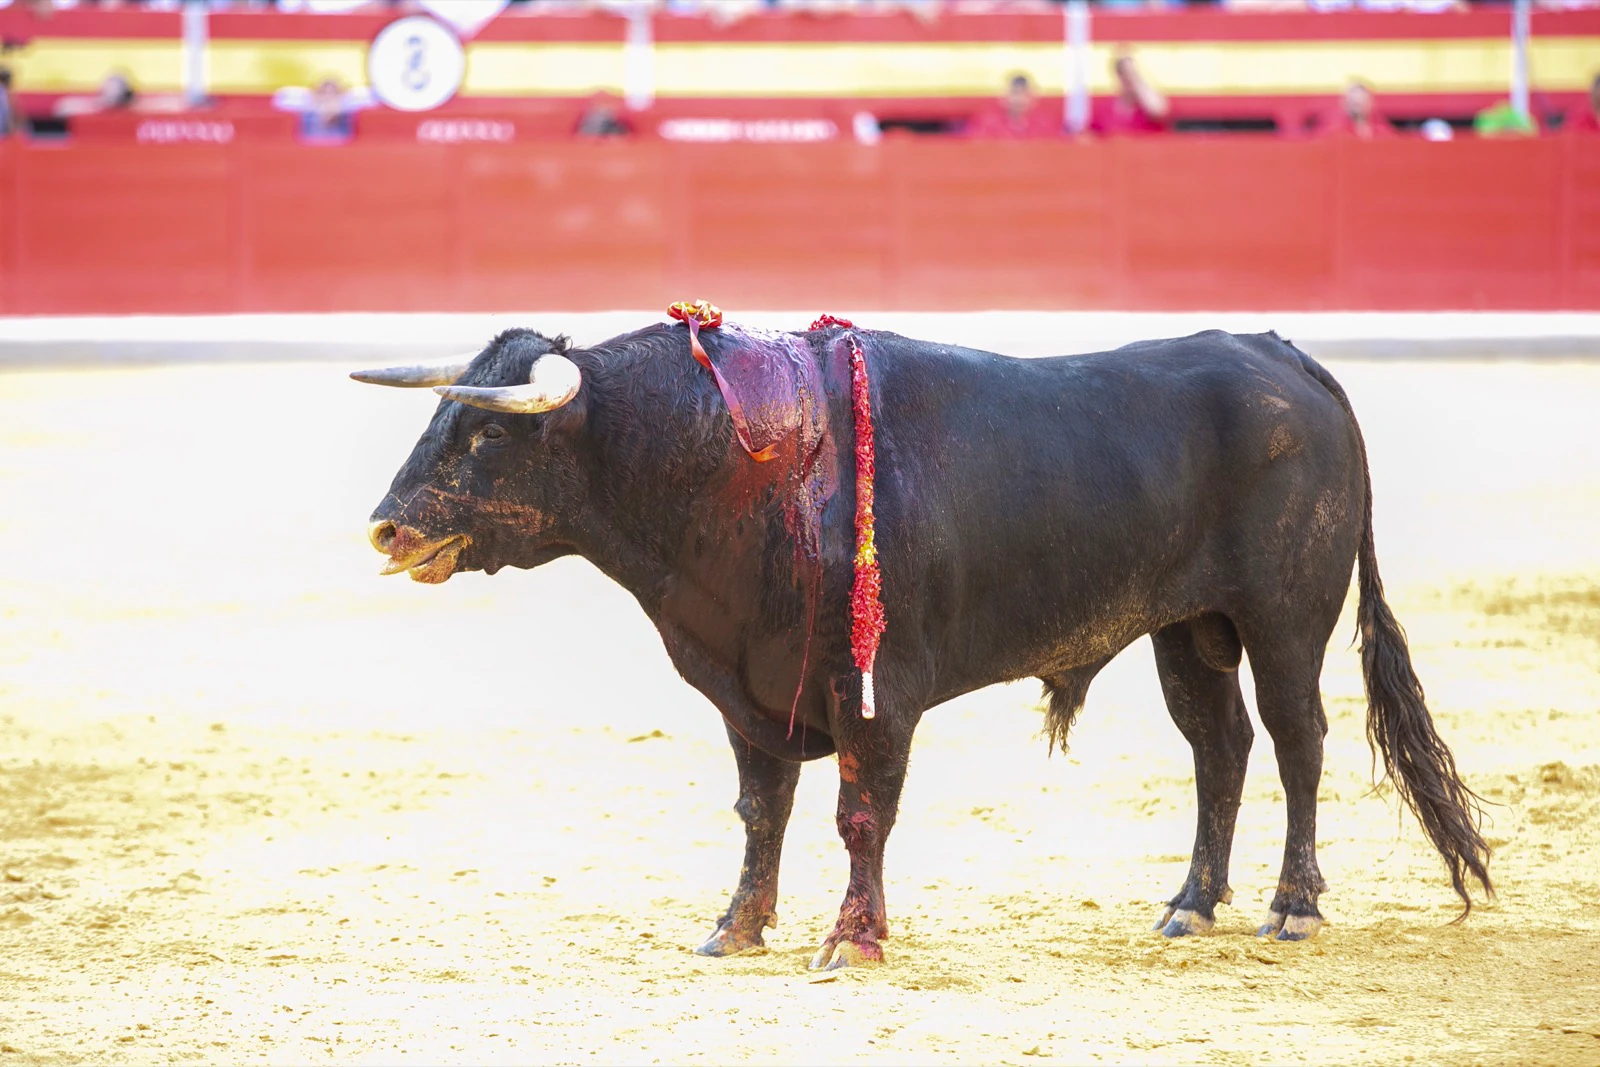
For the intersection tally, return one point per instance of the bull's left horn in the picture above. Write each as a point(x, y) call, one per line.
point(417, 376)
point(554, 380)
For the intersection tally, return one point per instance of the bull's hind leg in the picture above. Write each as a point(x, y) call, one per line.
point(766, 795)
point(1288, 670)
point(1198, 664)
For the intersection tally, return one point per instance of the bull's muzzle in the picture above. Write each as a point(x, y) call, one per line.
point(426, 559)
point(382, 534)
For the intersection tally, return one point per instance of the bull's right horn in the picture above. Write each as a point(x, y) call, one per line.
point(553, 381)
point(417, 376)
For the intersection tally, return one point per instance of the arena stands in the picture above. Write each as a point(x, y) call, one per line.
point(1219, 69)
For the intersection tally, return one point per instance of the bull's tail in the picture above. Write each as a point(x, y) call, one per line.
point(1399, 727)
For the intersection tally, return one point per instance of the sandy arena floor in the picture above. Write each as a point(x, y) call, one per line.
point(258, 804)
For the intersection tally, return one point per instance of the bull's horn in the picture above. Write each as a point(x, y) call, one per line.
point(418, 375)
point(553, 381)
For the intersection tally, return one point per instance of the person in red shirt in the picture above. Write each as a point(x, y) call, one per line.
point(1585, 117)
point(1357, 115)
point(1016, 114)
point(1137, 108)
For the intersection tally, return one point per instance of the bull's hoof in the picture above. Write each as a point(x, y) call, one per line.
point(727, 943)
point(835, 956)
point(1281, 927)
point(1181, 922)
point(730, 941)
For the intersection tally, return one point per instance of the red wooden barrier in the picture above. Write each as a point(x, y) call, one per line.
point(1168, 223)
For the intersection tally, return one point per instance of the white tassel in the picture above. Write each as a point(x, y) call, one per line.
point(868, 699)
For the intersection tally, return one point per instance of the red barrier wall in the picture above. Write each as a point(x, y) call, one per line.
point(1169, 223)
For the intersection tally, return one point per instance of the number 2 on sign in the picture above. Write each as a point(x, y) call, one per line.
point(416, 74)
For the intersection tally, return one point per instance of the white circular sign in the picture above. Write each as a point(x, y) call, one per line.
point(415, 64)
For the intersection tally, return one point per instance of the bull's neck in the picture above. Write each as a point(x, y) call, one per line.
point(646, 470)
point(638, 568)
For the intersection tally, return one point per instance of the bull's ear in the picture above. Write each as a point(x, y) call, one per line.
point(568, 420)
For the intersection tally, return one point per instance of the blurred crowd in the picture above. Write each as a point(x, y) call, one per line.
point(736, 9)
point(327, 111)
point(1139, 108)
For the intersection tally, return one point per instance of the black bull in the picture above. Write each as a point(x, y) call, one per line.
point(1034, 518)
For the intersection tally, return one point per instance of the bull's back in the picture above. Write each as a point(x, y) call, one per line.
point(1046, 510)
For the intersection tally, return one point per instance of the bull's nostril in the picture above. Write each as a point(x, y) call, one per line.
point(381, 534)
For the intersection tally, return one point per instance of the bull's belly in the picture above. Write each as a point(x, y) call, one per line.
point(1049, 626)
point(1046, 653)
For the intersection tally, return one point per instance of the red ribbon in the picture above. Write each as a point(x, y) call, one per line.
point(700, 313)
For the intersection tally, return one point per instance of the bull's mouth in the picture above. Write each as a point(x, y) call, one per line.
point(431, 563)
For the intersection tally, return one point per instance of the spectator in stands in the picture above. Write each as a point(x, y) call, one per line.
point(116, 93)
point(602, 118)
point(329, 118)
point(1585, 117)
point(8, 107)
point(1016, 114)
point(1357, 115)
point(1504, 119)
point(1138, 106)
point(327, 113)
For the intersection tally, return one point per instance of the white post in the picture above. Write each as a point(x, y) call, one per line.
point(196, 35)
point(1520, 26)
point(1075, 54)
point(639, 59)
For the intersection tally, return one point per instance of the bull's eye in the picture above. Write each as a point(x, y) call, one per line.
point(489, 436)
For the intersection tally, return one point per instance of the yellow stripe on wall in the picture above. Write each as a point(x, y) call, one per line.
point(1265, 68)
point(1563, 64)
point(80, 64)
point(816, 69)
point(507, 68)
point(250, 67)
point(1185, 67)
point(827, 69)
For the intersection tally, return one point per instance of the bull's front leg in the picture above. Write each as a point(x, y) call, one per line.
point(872, 771)
point(766, 795)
